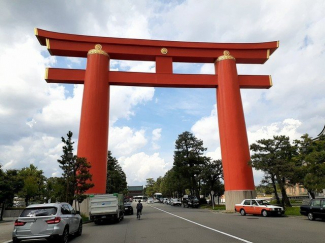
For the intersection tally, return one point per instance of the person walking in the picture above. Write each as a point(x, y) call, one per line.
point(139, 209)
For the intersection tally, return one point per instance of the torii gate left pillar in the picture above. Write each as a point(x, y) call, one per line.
point(93, 131)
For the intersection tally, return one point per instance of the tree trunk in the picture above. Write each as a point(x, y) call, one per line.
point(285, 199)
point(26, 201)
point(274, 189)
point(311, 194)
point(2, 210)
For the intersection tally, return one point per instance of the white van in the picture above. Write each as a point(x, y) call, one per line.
point(142, 198)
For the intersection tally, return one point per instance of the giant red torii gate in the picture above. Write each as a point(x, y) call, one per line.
point(97, 78)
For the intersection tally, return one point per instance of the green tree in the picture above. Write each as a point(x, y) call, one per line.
point(310, 164)
point(82, 179)
point(211, 175)
point(157, 185)
point(173, 184)
point(189, 160)
point(116, 178)
point(10, 184)
point(75, 171)
point(150, 189)
point(54, 187)
point(34, 184)
point(274, 156)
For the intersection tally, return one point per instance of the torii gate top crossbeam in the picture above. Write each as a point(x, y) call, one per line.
point(71, 45)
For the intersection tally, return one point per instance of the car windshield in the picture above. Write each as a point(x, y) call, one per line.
point(263, 202)
point(41, 211)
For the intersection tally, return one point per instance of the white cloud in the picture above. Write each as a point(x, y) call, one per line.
point(141, 166)
point(124, 99)
point(40, 150)
point(124, 141)
point(207, 129)
point(156, 134)
point(288, 128)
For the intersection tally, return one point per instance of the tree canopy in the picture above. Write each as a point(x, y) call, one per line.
point(75, 171)
point(116, 178)
point(274, 156)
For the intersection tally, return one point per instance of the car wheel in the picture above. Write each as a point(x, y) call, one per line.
point(242, 212)
point(310, 216)
point(79, 232)
point(264, 213)
point(65, 236)
point(15, 240)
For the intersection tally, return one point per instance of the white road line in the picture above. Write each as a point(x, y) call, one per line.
point(218, 231)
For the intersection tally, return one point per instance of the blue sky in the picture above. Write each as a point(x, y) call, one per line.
point(145, 122)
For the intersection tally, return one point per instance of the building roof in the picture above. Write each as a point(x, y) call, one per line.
point(322, 133)
point(135, 188)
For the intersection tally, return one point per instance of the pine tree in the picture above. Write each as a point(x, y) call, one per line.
point(116, 178)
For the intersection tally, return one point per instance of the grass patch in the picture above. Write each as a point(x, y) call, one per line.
point(216, 207)
point(85, 219)
point(292, 211)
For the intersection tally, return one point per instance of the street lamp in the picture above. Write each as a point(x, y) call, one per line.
point(212, 192)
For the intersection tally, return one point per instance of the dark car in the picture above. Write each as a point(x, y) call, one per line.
point(128, 209)
point(315, 209)
point(190, 201)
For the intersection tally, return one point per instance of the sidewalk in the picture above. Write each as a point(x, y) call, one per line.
point(6, 227)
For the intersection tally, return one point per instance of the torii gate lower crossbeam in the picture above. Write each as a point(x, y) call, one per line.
point(93, 134)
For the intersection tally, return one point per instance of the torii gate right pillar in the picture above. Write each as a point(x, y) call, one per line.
point(238, 175)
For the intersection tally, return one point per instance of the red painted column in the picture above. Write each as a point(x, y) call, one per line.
point(93, 132)
point(238, 175)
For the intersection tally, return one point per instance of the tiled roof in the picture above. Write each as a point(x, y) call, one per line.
point(135, 188)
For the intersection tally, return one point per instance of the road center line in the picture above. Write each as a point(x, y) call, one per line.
point(218, 231)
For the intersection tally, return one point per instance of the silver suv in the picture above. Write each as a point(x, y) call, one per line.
point(52, 221)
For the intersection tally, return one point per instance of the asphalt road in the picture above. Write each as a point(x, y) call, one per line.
point(163, 223)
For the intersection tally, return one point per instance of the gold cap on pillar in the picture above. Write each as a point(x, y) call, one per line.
point(97, 50)
point(226, 55)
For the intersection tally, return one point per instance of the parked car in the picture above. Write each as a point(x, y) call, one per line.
point(52, 221)
point(315, 209)
point(128, 209)
point(165, 201)
point(258, 206)
point(150, 200)
point(175, 202)
point(190, 201)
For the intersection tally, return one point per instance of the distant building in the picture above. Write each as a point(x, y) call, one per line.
point(321, 133)
point(296, 190)
point(135, 191)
